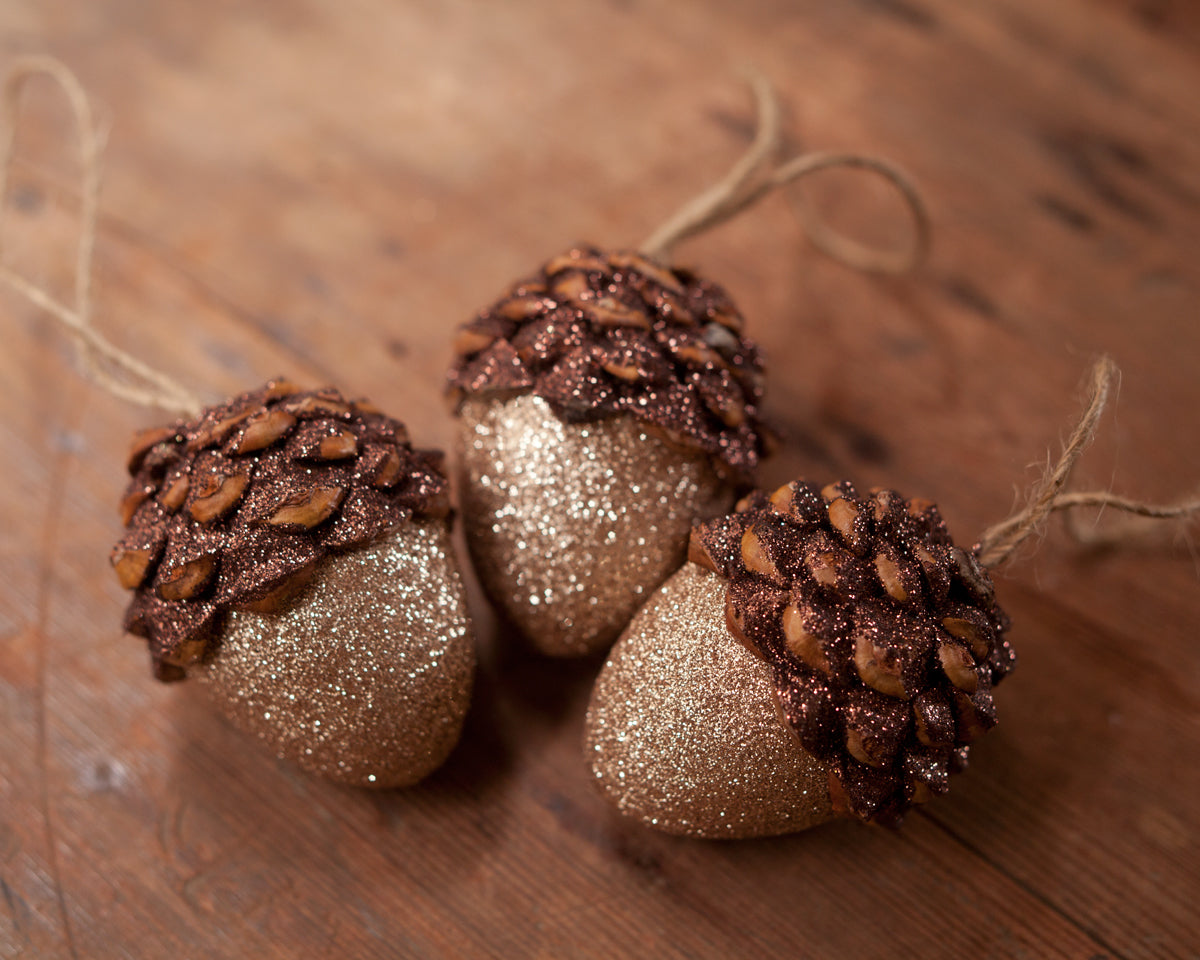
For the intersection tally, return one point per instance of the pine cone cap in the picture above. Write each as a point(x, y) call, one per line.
point(598, 334)
point(236, 507)
point(883, 638)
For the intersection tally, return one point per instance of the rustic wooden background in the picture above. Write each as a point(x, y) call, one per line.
point(325, 189)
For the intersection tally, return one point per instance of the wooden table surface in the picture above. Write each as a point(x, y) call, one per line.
point(325, 189)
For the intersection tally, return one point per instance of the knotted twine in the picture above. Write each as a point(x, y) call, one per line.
point(757, 173)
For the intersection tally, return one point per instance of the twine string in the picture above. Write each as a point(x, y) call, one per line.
point(757, 174)
point(1050, 495)
point(1133, 527)
point(105, 364)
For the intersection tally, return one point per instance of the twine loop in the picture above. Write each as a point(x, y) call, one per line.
point(105, 364)
point(757, 173)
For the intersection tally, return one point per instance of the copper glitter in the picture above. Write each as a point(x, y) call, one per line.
point(572, 526)
point(600, 334)
point(883, 638)
point(366, 678)
point(238, 505)
point(683, 729)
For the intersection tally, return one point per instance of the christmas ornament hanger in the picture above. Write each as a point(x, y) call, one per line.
point(756, 174)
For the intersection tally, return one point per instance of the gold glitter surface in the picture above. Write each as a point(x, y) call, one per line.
point(683, 731)
point(572, 525)
point(367, 676)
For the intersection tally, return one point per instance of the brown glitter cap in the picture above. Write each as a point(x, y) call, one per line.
point(883, 637)
point(237, 507)
point(599, 334)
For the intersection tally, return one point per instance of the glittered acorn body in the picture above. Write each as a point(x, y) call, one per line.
point(604, 405)
point(571, 536)
point(366, 676)
point(291, 551)
point(824, 655)
point(683, 728)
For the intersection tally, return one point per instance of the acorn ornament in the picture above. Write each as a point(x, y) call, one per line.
point(823, 654)
point(854, 620)
point(608, 402)
point(604, 405)
point(291, 550)
point(288, 548)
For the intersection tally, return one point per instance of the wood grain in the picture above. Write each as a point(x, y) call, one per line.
point(325, 190)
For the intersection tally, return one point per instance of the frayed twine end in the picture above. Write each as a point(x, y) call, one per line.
point(1050, 495)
